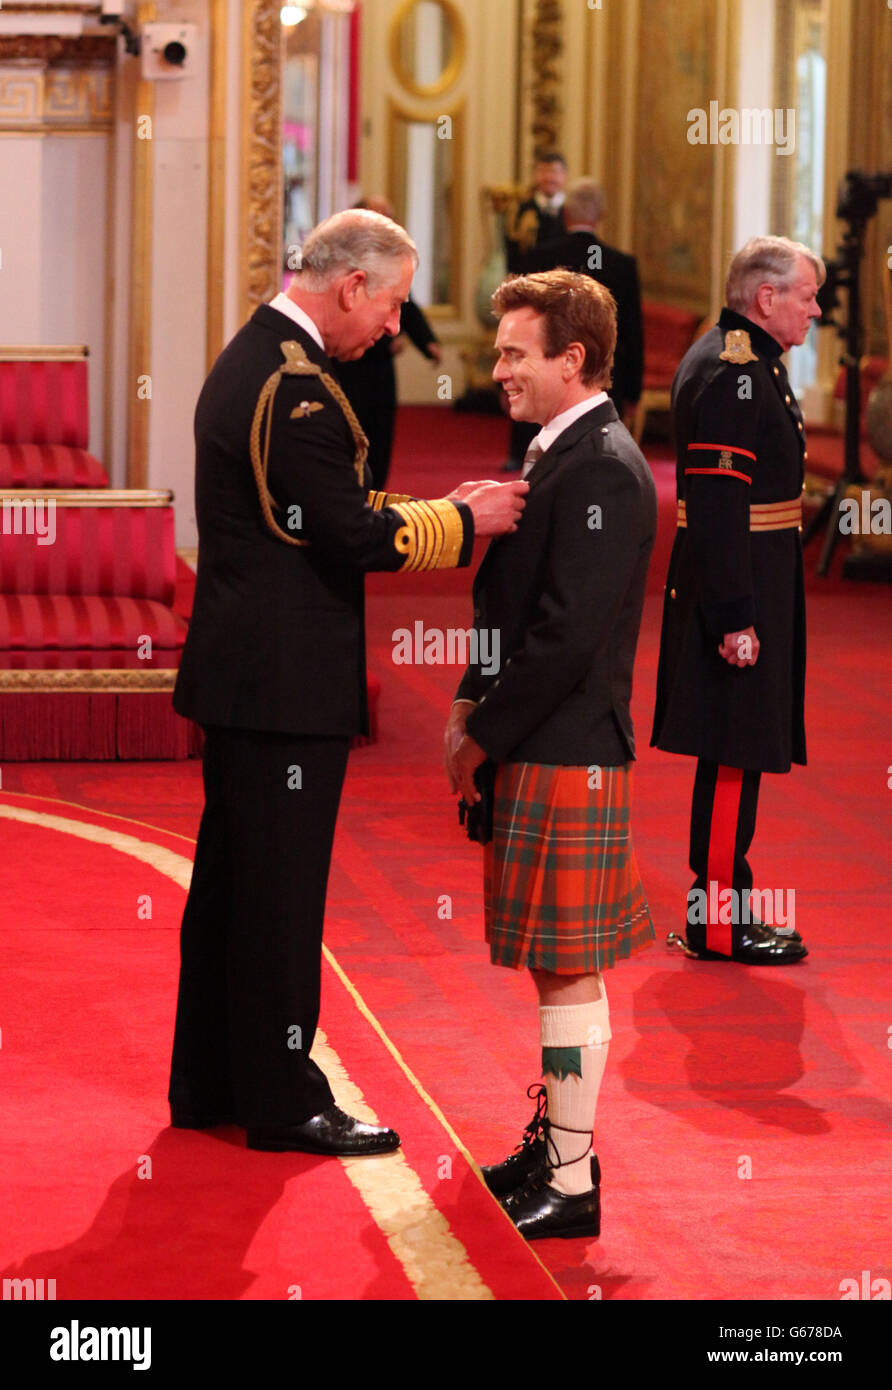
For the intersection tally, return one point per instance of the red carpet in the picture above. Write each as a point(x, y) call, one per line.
point(743, 1124)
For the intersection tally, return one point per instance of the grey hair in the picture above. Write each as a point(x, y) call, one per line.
point(584, 202)
point(355, 240)
point(771, 260)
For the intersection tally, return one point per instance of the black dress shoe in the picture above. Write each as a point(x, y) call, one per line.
point(540, 1211)
point(754, 944)
point(332, 1132)
point(529, 1158)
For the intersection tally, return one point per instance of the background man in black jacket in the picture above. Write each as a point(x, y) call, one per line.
point(579, 248)
point(731, 678)
point(274, 670)
point(562, 892)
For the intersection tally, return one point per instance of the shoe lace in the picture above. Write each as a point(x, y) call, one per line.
point(538, 1125)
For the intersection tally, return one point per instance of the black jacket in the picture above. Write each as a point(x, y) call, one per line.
point(565, 593)
point(739, 439)
point(583, 252)
point(276, 641)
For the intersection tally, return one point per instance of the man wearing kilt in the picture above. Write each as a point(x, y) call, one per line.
point(731, 678)
point(562, 894)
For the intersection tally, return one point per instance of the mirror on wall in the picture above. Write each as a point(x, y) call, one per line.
point(426, 46)
point(424, 182)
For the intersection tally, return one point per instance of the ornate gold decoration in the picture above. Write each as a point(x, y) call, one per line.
point(47, 7)
point(57, 48)
point(79, 96)
point(109, 682)
point(216, 224)
point(453, 68)
point(547, 47)
point(738, 348)
point(21, 98)
point(92, 497)
point(34, 353)
point(261, 153)
point(142, 201)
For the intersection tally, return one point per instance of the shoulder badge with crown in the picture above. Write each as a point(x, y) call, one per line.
point(738, 348)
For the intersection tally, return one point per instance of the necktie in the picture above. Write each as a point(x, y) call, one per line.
point(532, 457)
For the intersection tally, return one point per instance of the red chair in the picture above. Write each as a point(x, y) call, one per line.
point(89, 640)
point(44, 419)
point(668, 333)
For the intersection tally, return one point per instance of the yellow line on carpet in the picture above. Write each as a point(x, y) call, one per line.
point(110, 815)
point(436, 1263)
point(428, 1099)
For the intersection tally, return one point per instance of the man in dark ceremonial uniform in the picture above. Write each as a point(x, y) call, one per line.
point(274, 671)
point(730, 685)
point(578, 248)
point(538, 220)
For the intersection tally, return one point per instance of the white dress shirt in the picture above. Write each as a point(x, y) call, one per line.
point(549, 433)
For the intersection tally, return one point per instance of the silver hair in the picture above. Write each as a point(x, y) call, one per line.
point(355, 240)
point(584, 202)
point(772, 260)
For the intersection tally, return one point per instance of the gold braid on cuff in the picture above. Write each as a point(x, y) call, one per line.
point(379, 500)
point(431, 536)
point(296, 364)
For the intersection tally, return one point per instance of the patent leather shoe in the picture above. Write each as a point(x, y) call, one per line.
point(753, 944)
point(540, 1211)
point(530, 1157)
point(330, 1133)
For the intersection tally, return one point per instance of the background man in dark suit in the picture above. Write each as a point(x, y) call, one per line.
point(579, 248)
point(562, 892)
point(538, 220)
point(731, 678)
point(274, 669)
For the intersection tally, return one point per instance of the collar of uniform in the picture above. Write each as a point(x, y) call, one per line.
point(761, 341)
point(285, 305)
point(284, 326)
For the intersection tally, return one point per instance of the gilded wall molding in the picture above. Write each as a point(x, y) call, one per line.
point(56, 48)
point(261, 153)
point(547, 48)
point(216, 228)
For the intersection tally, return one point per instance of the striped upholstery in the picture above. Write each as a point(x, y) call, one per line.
point(91, 596)
point(97, 550)
point(86, 622)
point(44, 403)
point(49, 466)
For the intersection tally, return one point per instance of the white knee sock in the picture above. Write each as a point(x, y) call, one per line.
point(574, 1040)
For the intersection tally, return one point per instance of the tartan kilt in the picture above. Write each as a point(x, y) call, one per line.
point(561, 887)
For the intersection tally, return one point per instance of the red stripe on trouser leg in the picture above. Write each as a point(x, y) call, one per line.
point(722, 839)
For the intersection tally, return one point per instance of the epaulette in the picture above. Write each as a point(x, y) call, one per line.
point(738, 348)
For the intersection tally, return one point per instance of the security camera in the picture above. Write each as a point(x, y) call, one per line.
point(167, 50)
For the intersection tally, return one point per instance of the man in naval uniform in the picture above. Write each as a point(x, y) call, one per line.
point(274, 671)
point(730, 684)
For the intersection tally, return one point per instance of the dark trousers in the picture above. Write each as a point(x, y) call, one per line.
point(251, 938)
point(723, 821)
